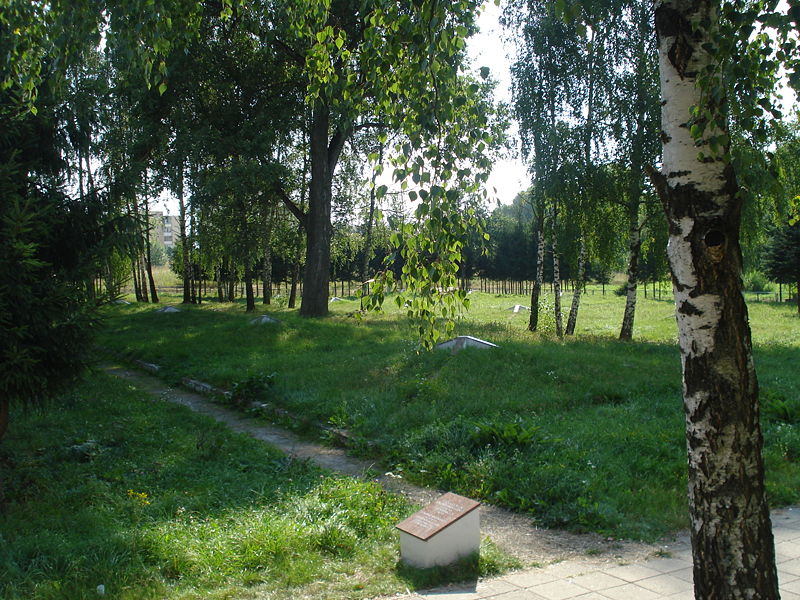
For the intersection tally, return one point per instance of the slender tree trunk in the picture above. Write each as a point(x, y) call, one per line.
point(266, 271)
point(187, 291)
point(368, 242)
point(248, 288)
point(148, 263)
point(536, 292)
point(143, 279)
point(732, 544)
point(266, 276)
point(4, 418)
point(293, 287)
point(634, 250)
point(556, 276)
point(577, 289)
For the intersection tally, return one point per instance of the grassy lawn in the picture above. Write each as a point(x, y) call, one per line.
point(150, 500)
point(585, 434)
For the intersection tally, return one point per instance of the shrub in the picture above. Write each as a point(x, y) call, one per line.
point(756, 281)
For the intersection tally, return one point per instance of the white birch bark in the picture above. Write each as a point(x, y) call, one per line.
point(556, 276)
point(576, 295)
point(731, 533)
point(634, 248)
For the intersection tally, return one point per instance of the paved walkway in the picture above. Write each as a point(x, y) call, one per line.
point(668, 576)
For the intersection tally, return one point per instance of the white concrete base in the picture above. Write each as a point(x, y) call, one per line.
point(459, 540)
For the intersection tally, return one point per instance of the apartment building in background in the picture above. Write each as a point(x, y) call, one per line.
point(166, 228)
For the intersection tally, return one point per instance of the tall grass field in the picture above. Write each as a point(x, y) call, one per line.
point(585, 434)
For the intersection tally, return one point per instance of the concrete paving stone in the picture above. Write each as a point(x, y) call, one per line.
point(592, 596)
point(686, 574)
point(632, 573)
point(790, 586)
point(668, 565)
point(687, 595)
point(518, 595)
point(470, 591)
point(451, 593)
point(786, 595)
point(559, 590)
point(785, 534)
point(567, 569)
point(786, 551)
point(526, 579)
point(597, 581)
point(630, 591)
point(665, 585)
point(792, 567)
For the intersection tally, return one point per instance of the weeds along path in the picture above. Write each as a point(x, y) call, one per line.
point(514, 533)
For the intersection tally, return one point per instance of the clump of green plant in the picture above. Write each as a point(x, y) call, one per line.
point(511, 434)
point(253, 388)
point(777, 407)
point(756, 281)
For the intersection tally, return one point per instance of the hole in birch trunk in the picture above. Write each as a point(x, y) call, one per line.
point(714, 238)
point(715, 241)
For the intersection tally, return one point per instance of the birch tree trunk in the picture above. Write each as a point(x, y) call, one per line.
point(634, 250)
point(731, 533)
point(536, 292)
point(576, 295)
point(187, 286)
point(147, 258)
point(556, 277)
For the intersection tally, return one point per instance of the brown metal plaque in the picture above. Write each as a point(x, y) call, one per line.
point(440, 513)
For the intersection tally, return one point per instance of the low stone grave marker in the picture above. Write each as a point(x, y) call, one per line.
point(465, 341)
point(518, 307)
point(168, 309)
point(263, 319)
point(441, 533)
point(121, 301)
point(336, 299)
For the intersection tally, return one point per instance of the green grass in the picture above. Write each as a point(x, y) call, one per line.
point(586, 434)
point(150, 500)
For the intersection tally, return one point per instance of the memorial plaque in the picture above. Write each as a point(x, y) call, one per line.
point(438, 515)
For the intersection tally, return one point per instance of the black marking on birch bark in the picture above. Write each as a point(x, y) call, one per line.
point(678, 173)
point(689, 309)
point(672, 24)
point(665, 139)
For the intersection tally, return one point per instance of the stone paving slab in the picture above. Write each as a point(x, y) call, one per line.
point(664, 577)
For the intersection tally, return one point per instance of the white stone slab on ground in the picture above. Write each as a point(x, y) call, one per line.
point(441, 533)
point(263, 319)
point(519, 307)
point(465, 341)
point(168, 309)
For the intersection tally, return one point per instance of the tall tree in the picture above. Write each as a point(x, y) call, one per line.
point(701, 43)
